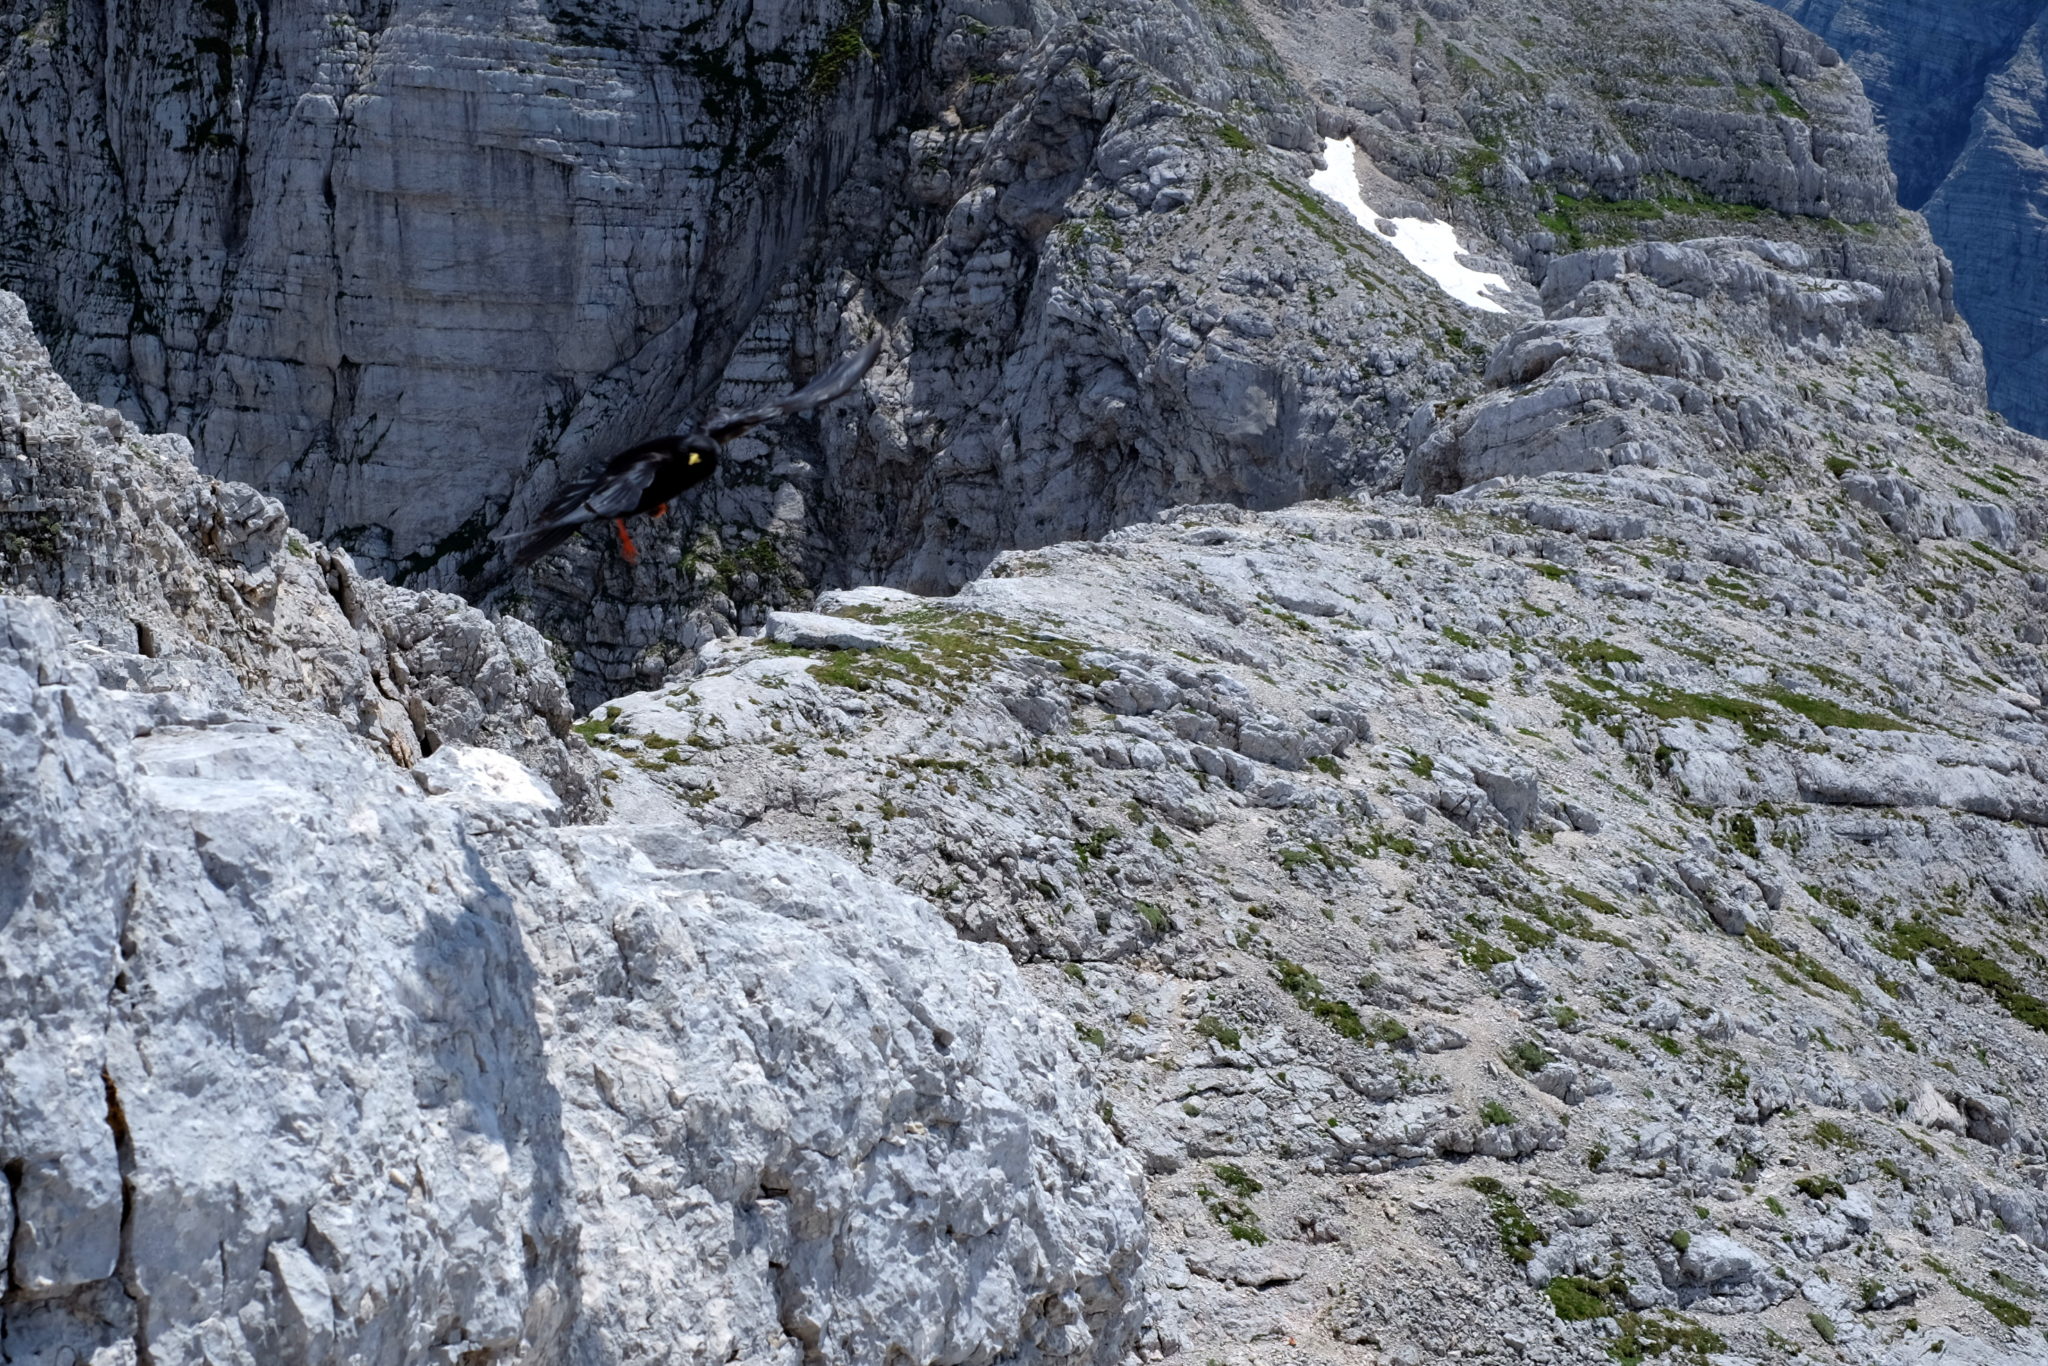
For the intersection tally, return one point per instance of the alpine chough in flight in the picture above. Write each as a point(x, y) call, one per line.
point(645, 477)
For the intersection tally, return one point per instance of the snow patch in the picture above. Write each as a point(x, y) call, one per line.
point(1431, 248)
point(476, 778)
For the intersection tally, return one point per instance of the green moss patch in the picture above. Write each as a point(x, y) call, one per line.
point(1822, 712)
point(1959, 962)
point(1475, 696)
point(1307, 990)
point(1520, 1235)
point(948, 649)
point(1664, 1334)
point(1667, 704)
point(1583, 652)
point(1575, 1299)
point(1479, 952)
point(1809, 967)
point(2004, 1310)
point(1209, 1027)
point(842, 47)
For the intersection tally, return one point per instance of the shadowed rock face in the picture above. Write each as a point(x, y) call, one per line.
point(377, 257)
point(1926, 67)
point(1965, 100)
point(1110, 291)
point(1585, 886)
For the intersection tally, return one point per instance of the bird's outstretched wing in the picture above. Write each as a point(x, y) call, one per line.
point(619, 490)
point(832, 384)
point(614, 493)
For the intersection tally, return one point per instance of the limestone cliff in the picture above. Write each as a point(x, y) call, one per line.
point(198, 595)
point(1065, 219)
point(1110, 290)
point(341, 245)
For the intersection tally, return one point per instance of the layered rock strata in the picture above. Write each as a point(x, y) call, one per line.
point(340, 245)
point(1111, 289)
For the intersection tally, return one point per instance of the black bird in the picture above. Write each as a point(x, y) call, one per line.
point(645, 477)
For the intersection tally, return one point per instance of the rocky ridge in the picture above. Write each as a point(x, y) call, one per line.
point(1081, 229)
point(1576, 837)
point(1110, 290)
point(199, 595)
point(319, 1047)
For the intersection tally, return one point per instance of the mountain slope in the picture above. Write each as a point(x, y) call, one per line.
point(1599, 912)
point(318, 1049)
point(1525, 819)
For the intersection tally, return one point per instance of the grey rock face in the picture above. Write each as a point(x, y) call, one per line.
point(303, 1064)
point(202, 599)
point(1925, 67)
point(1110, 291)
point(1606, 382)
point(1965, 102)
point(1593, 830)
point(338, 246)
point(1634, 832)
point(1108, 287)
point(1064, 252)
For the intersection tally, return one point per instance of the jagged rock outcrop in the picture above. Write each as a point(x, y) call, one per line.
point(304, 1064)
point(199, 594)
point(1089, 236)
point(1589, 906)
point(1658, 839)
point(1111, 291)
point(1069, 246)
point(1619, 376)
point(308, 1055)
point(1964, 94)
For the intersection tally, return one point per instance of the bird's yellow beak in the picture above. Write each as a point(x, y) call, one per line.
point(696, 459)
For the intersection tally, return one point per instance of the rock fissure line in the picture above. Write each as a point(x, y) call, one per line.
point(1588, 907)
point(11, 1174)
point(124, 1264)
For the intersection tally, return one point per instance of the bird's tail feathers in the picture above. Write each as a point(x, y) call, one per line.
point(534, 544)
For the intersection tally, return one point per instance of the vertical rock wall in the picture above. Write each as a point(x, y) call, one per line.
point(407, 271)
point(1965, 102)
point(379, 257)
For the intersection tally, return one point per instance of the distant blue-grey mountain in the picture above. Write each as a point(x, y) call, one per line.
point(1964, 92)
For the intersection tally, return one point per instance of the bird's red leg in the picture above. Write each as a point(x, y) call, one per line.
point(626, 540)
point(661, 511)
